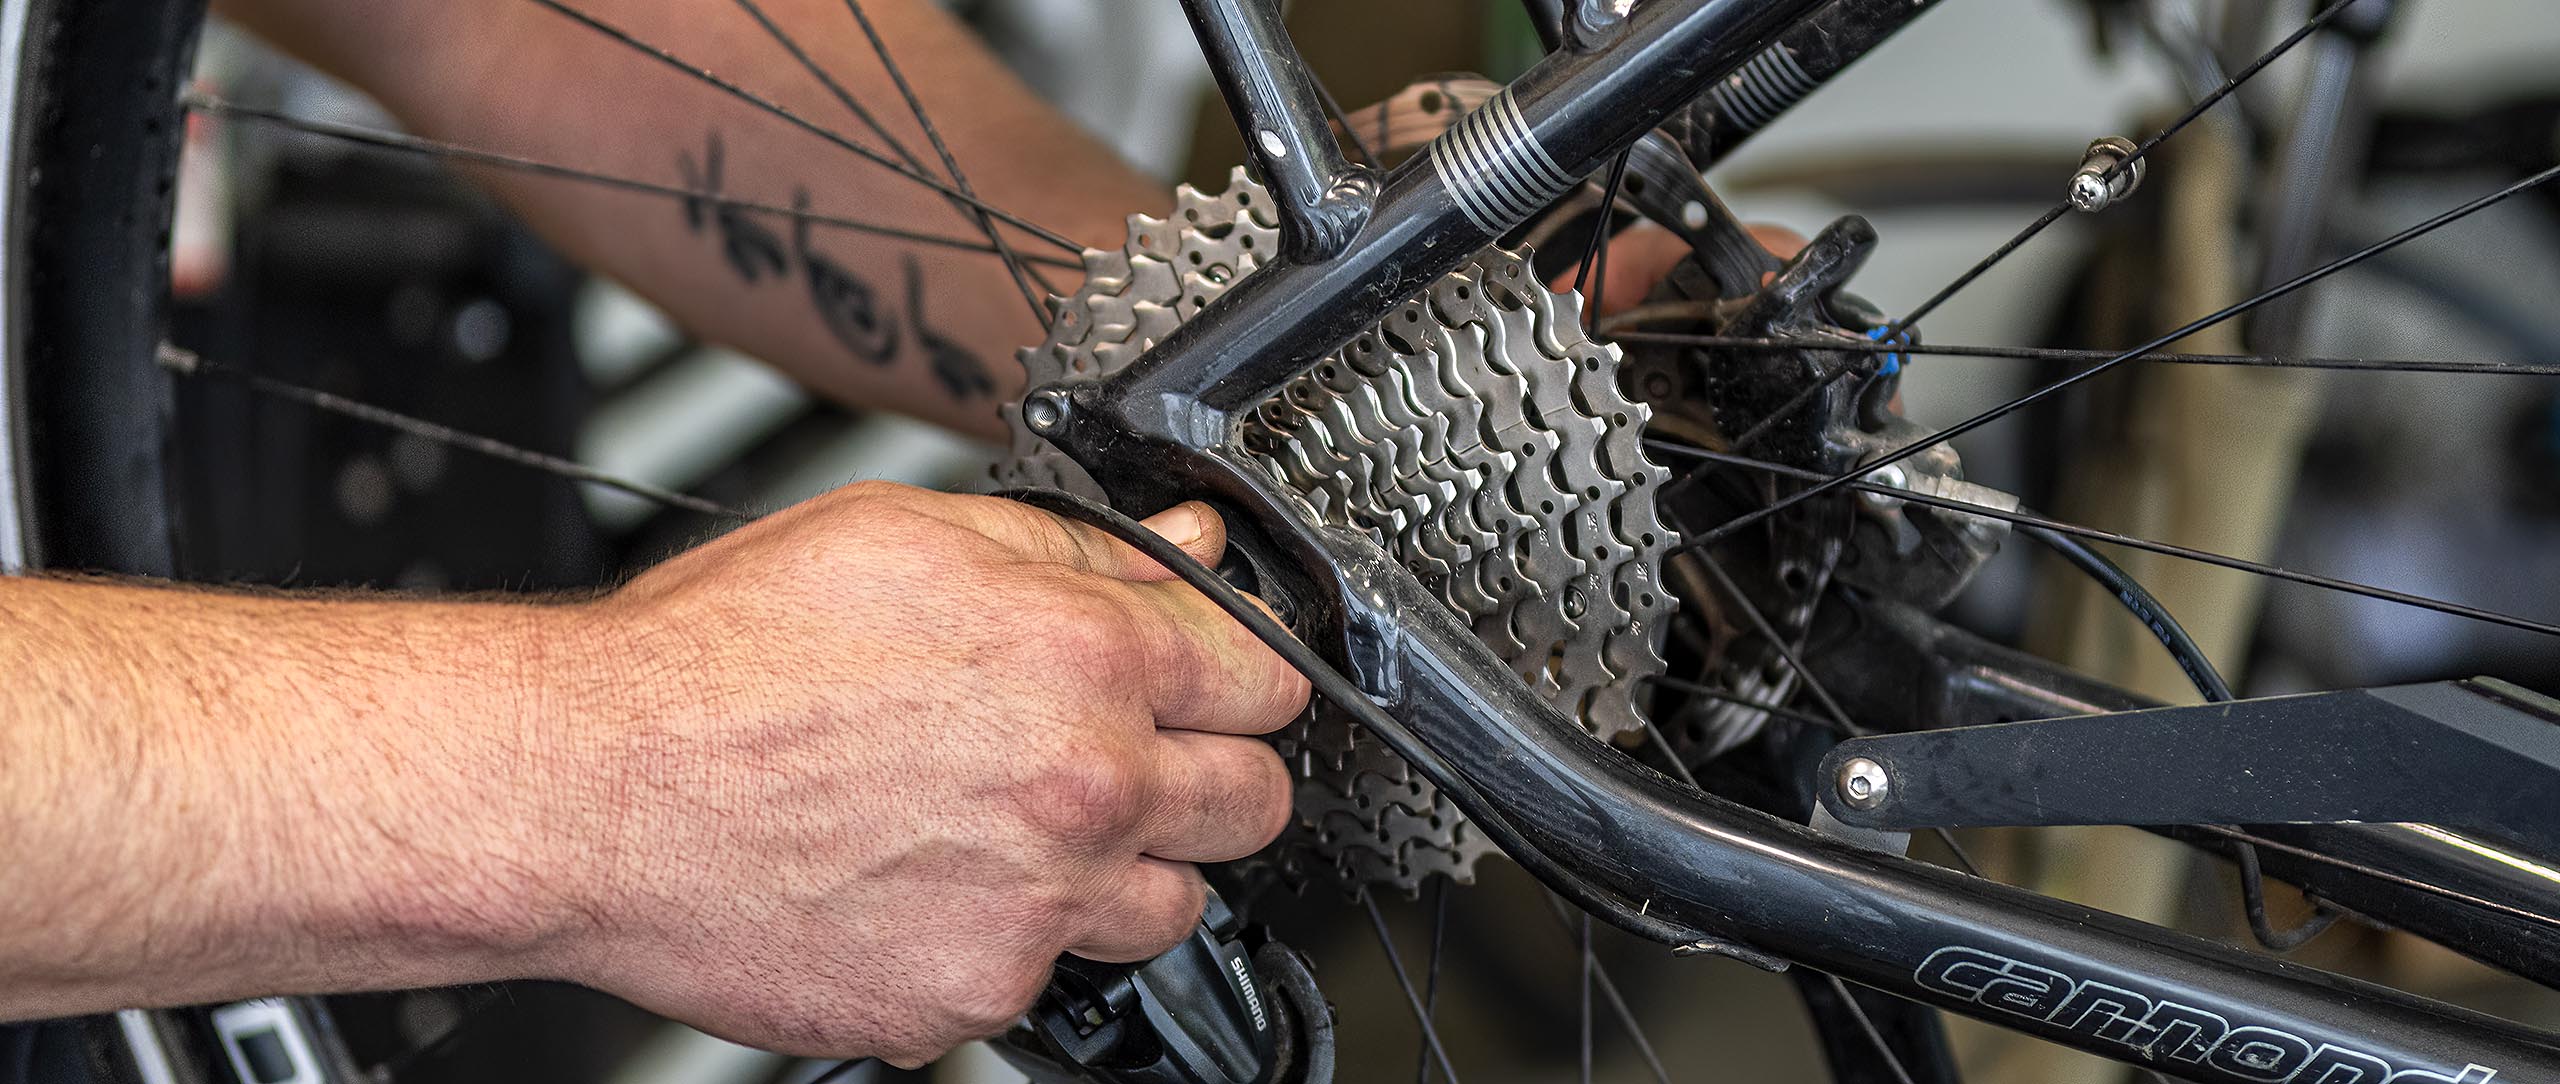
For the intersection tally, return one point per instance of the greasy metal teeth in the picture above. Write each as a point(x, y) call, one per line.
point(1479, 435)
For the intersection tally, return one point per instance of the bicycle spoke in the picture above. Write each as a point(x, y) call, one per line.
point(187, 363)
point(2131, 542)
point(1758, 429)
point(1395, 962)
point(1769, 632)
point(400, 142)
point(819, 72)
point(776, 109)
point(2227, 313)
point(2141, 151)
point(1980, 267)
point(1893, 1060)
point(1821, 693)
point(2048, 353)
point(950, 165)
point(1565, 914)
point(1692, 688)
point(1867, 1024)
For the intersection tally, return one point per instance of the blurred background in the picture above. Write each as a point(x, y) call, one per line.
point(382, 278)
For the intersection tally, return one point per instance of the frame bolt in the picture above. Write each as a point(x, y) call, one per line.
point(1863, 783)
point(2104, 177)
point(1045, 410)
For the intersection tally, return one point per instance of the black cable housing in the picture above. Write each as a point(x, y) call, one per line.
point(2139, 599)
point(1346, 694)
point(2209, 682)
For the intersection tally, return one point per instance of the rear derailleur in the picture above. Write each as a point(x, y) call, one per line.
point(1227, 1006)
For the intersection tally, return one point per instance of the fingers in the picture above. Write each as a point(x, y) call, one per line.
point(1216, 797)
point(1156, 904)
point(1193, 526)
point(1644, 254)
point(1781, 242)
point(1206, 671)
point(1087, 548)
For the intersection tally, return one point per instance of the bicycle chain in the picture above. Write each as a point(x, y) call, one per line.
point(1478, 434)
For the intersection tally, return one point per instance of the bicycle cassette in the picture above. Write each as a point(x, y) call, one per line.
point(1478, 434)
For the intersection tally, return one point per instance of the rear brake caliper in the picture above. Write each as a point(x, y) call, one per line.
point(1912, 552)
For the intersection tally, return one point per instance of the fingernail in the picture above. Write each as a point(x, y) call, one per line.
point(1180, 524)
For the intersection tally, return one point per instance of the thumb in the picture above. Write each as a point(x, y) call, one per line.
point(1191, 525)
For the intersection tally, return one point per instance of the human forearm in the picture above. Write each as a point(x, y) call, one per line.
point(206, 795)
point(801, 787)
point(847, 312)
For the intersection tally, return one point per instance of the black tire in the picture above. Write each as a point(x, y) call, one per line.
point(94, 150)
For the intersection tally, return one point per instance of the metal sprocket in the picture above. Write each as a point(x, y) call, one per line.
point(1478, 434)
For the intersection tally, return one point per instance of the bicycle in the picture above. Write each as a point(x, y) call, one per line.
point(1314, 349)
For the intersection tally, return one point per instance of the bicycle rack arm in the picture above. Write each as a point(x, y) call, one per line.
point(2481, 755)
point(1924, 674)
point(1620, 840)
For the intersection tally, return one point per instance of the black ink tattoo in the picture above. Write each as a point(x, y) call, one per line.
point(853, 312)
point(753, 251)
point(846, 303)
point(959, 370)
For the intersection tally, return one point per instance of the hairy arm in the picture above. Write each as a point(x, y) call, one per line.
point(804, 787)
point(204, 795)
point(918, 328)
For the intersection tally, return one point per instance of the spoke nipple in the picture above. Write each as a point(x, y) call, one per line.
point(2108, 172)
point(1863, 783)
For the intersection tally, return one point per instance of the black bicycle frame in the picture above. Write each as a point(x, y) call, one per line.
point(1619, 839)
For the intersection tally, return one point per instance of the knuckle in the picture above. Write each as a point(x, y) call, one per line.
point(1274, 692)
point(1273, 798)
point(1171, 915)
point(992, 1002)
point(1089, 799)
point(1289, 690)
point(1089, 628)
point(1176, 646)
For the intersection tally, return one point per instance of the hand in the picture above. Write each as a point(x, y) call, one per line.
point(896, 750)
point(1642, 254)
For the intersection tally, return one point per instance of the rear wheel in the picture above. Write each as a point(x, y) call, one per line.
point(103, 472)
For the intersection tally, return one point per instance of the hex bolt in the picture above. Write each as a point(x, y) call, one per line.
point(1863, 783)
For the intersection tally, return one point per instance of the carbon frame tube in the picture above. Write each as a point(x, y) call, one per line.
point(2095, 981)
point(1499, 165)
point(1618, 838)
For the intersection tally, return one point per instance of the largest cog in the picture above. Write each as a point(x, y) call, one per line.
point(1478, 434)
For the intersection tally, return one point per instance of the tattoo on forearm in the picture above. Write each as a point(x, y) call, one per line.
point(752, 250)
point(953, 365)
point(843, 300)
point(855, 313)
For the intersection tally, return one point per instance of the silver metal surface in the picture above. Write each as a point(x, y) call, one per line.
point(2098, 184)
point(1479, 434)
point(1863, 783)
